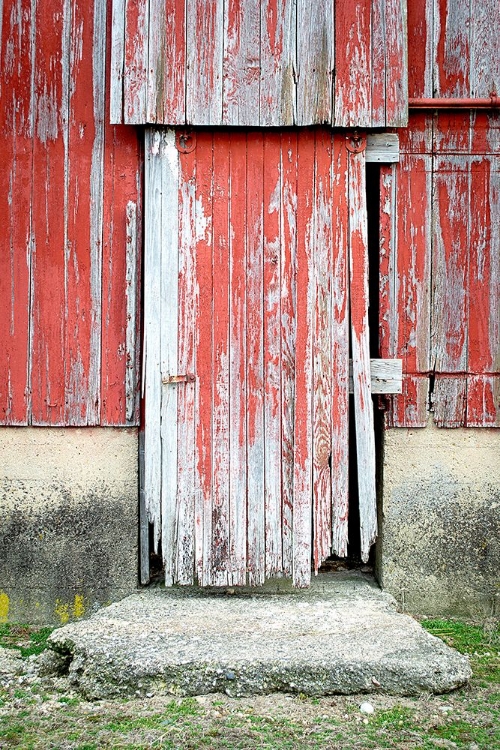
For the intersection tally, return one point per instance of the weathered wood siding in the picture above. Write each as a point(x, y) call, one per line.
point(248, 241)
point(440, 271)
point(71, 222)
point(259, 62)
point(440, 212)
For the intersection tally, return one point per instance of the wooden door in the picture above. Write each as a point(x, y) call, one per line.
point(253, 241)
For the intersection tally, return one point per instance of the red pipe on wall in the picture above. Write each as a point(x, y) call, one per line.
point(451, 103)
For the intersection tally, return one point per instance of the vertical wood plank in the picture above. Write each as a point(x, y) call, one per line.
point(450, 269)
point(272, 352)
point(221, 460)
point(303, 428)
point(396, 64)
point(483, 401)
point(166, 74)
point(84, 216)
point(322, 385)
point(255, 361)
point(315, 61)
point(17, 47)
point(204, 362)
point(353, 71)
point(117, 70)
point(277, 62)
point(188, 313)
point(288, 242)
point(340, 351)
point(136, 62)
point(237, 363)
point(168, 320)
point(363, 405)
point(451, 48)
point(204, 53)
point(121, 264)
point(379, 53)
point(241, 63)
point(420, 48)
point(484, 57)
point(49, 211)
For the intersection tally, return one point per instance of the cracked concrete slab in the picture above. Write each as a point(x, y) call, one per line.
point(343, 635)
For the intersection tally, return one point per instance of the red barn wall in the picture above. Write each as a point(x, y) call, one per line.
point(71, 223)
point(440, 212)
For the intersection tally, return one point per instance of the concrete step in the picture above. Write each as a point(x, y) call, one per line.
point(343, 635)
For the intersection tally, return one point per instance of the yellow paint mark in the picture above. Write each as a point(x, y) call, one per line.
point(62, 611)
point(78, 606)
point(4, 606)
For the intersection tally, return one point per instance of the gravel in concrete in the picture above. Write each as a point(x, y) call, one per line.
point(343, 635)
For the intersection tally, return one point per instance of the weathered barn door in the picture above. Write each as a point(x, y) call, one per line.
point(253, 241)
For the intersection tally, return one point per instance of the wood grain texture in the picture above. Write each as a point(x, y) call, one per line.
point(246, 249)
point(17, 113)
point(259, 62)
point(315, 61)
point(204, 56)
point(277, 63)
point(340, 351)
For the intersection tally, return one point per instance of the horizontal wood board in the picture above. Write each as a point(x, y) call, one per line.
point(259, 62)
point(71, 217)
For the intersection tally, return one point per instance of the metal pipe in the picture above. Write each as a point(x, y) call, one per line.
point(452, 103)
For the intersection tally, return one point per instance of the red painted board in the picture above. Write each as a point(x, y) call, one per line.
point(166, 76)
point(353, 71)
point(16, 145)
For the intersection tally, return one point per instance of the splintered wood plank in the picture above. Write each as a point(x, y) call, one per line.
point(17, 39)
point(168, 320)
point(288, 247)
point(363, 405)
point(135, 78)
point(166, 84)
point(303, 437)
point(277, 61)
point(340, 352)
point(450, 264)
point(255, 361)
point(449, 400)
point(49, 211)
point(272, 352)
point(353, 70)
point(204, 363)
point(204, 54)
point(322, 385)
point(315, 61)
point(451, 48)
point(156, 145)
point(241, 63)
point(221, 465)
point(396, 64)
point(84, 217)
point(237, 363)
point(188, 314)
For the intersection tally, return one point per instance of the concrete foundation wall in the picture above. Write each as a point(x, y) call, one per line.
point(68, 532)
point(439, 549)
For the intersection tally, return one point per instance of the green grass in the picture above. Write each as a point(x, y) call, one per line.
point(26, 639)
